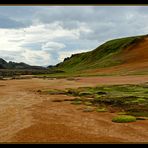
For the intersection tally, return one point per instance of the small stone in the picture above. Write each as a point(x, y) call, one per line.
point(39, 91)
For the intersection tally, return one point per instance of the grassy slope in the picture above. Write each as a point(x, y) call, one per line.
point(103, 56)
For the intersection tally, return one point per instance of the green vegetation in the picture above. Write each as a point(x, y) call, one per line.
point(103, 56)
point(129, 99)
point(88, 103)
point(124, 99)
point(124, 119)
point(101, 110)
point(54, 92)
point(122, 113)
point(129, 102)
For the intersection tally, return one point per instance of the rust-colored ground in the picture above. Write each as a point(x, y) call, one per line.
point(27, 116)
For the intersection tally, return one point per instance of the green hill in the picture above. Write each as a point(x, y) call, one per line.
point(103, 56)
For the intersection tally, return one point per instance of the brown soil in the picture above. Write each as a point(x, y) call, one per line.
point(28, 116)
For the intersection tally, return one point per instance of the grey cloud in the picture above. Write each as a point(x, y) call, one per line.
point(142, 10)
point(8, 58)
point(61, 13)
point(20, 16)
point(33, 46)
point(70, 24)
point(82, 13)
point(104, 21)
point(10, 23)
point(23, 13)
point(11, 55)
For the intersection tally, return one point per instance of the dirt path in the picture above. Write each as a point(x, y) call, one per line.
point(27, 116)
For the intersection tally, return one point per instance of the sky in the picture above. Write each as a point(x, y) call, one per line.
point(45, 35)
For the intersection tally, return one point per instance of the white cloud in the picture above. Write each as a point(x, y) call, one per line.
point(49, 46)
point(36, 57)
point(19, 40)
point(65, 54)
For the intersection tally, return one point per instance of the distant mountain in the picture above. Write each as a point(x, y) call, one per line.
point(3, 63)
point(14, 65)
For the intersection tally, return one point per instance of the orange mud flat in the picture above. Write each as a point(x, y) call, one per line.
point(28, 116)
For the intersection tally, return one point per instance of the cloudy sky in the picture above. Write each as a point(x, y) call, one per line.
point(45, 35)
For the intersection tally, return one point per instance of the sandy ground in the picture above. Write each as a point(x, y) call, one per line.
point(27, 116)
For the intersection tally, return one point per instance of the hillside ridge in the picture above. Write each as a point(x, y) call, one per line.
point(14, 65)
point(112, 54)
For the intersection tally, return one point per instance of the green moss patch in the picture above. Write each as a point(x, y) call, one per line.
point(101, 110)
point(87, 103)
point(121, 113)
point(76, 102)
point(130, 98)
point(124, 119)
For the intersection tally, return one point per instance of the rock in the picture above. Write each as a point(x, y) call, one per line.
point(39, 91)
